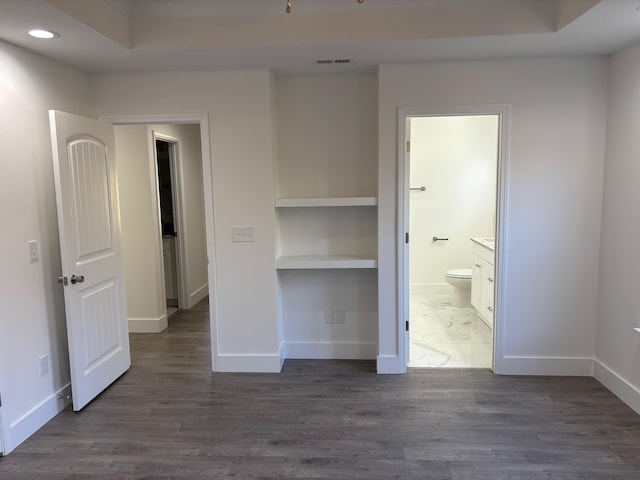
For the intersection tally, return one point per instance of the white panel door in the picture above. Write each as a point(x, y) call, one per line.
point(92, 273)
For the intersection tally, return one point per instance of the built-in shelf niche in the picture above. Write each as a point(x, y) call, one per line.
point(302, 202)
point(334, 235)
point(326, 209)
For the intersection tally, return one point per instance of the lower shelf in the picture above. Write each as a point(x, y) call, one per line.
point(311, 262)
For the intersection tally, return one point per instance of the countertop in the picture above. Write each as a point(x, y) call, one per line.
point(487, 242)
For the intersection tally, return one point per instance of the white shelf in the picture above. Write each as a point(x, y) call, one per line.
point(327, 202)
point(313, 262)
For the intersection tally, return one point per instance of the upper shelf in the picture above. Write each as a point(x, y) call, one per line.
point(315, 262)
point(327, 202)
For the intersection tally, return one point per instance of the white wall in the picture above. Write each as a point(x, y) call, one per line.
point(141, 249)
point(194, 235)
point(554, 188)
point(33, 319)
point(327, 135)
point(455, 158)
point(327, 143)
point(618, 345)
point(141, 245)
point(238, 105)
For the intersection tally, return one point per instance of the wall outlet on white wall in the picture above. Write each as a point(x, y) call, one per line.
point(243, 234)
point(329, 317)
point(339, 316)
point(44, 364)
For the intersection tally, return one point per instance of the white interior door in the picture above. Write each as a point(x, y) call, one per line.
point(92, 273)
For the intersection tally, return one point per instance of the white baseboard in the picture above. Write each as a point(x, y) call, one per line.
point(552, 366)
point(198, 295)
point(25, 426)
point(148, 325)
point(390, 365)
point(430, 289)
point(332, 350)
point(620, 387)
point(246, 363)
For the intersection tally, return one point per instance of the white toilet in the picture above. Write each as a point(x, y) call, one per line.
point(460, 280)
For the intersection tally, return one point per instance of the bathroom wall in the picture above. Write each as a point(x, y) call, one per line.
point(455, 158)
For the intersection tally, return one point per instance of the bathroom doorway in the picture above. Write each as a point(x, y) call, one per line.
point(451, 183)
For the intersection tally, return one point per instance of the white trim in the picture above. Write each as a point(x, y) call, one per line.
point(332, 350)
point(313, 262)
point(547, 366)
point(161, 286)
point(404, 114)
point(2, 442)
point(148, 325)
point(326, 202)
point(197, 296)
point(34, 419)
point(205, 141)
point(620, 387)
point(390, 364)
point(177, 189)
point(248, 363)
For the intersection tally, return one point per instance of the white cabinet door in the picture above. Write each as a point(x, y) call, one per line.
point(489, 288)
point(89, 228)
point(476, 283)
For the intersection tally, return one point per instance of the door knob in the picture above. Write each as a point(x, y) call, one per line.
point(63, 280)
point(77, 279)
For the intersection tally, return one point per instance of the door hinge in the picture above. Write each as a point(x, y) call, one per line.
point(406, 326)
point(406, 237)
point(408, 146)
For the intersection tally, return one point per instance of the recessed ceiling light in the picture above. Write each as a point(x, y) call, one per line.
point(40, 33)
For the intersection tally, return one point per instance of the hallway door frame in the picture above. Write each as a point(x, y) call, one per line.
point(175, 156)
point(201, 119)
point(405, 114)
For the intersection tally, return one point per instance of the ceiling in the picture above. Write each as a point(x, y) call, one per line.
point(160, 35)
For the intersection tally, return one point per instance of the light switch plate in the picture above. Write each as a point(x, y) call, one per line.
point(34, 254)
point(243, 234)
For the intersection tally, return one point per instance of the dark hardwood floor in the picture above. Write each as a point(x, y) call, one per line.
point(170, 417)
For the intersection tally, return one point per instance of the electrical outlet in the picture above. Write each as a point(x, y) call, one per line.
point(339, 316)
point(34, 255)
point(44, 365)
point(329, 317)
point(243, 234)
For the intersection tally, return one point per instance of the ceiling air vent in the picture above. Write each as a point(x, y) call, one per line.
point(337, 61)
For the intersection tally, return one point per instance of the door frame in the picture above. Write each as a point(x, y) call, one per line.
point(404, 116)
point(203, 120)
point(175, 160)
point(1, 430)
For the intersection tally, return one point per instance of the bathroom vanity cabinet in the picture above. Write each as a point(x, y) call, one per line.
point(482, 281)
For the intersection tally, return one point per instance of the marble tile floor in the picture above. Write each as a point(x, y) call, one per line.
point(443, 336)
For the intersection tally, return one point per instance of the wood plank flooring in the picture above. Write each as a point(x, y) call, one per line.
point(170, 417)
